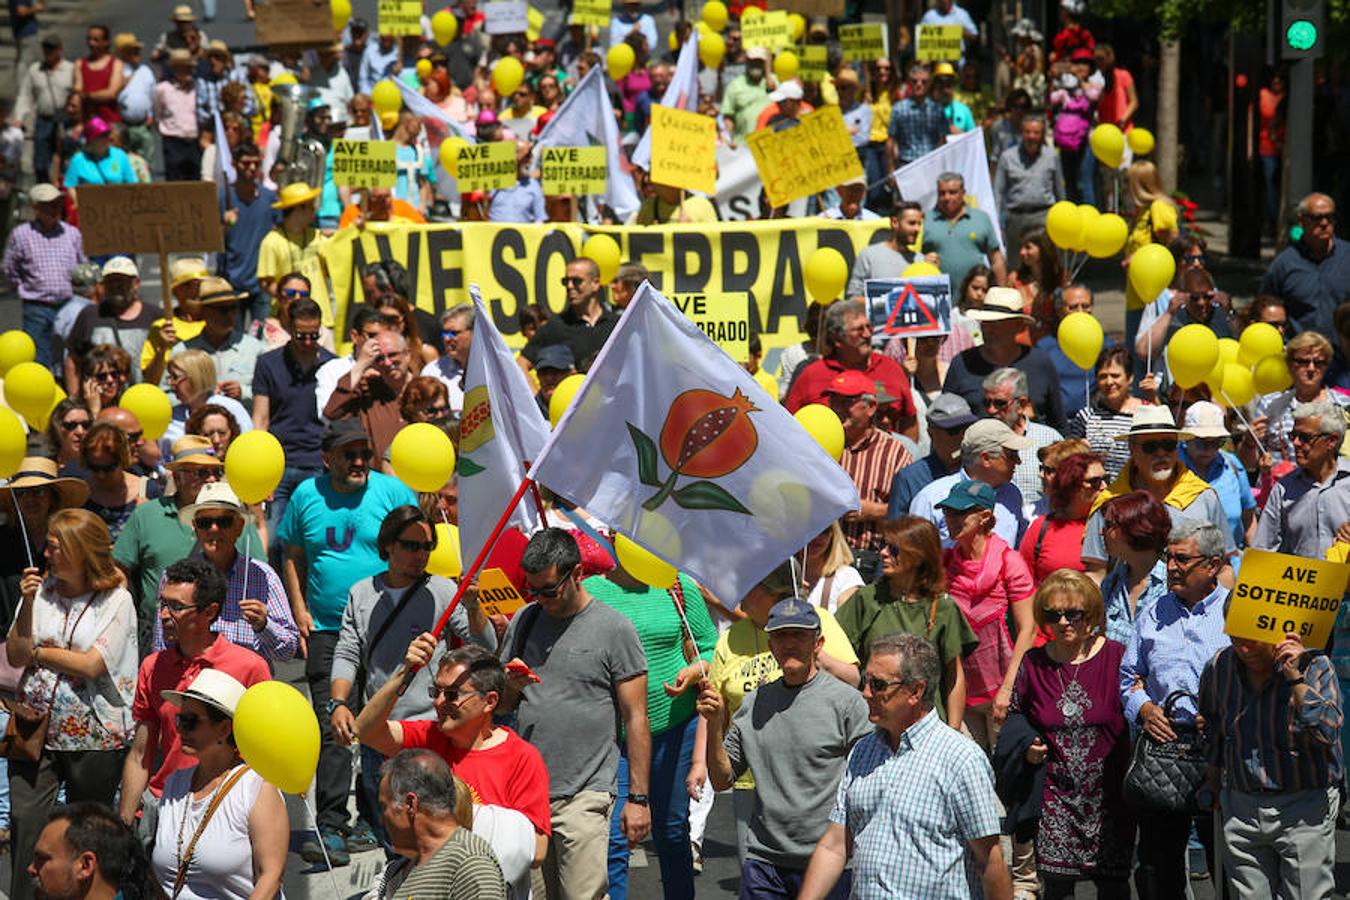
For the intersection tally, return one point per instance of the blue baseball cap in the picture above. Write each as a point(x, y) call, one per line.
point(968, 495)
point(792, 613)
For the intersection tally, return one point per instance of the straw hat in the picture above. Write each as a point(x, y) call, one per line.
point(1154, 420)
point(216, 290)
point(189, 268)
point(39, 472)
point(193, 450)
point(212, 687)
point(295, 194)
point(1000, 303)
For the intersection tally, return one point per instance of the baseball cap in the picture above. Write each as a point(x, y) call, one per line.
point(852, 383)
point(84, 276)
point(967, 495)
point(760, 53)
point(990, 435)
point(556, 356)
point(950, 411)
point(43, 193)
point(341, 432)
point(96, 127)
point(788, 90)
point(121, 265)
point(792, 613)
point(1205, 420)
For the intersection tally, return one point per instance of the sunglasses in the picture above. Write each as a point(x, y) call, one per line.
point(1194, 259)
point(573, 281)
point(309, 337)
point(1071, 616)
point(134, 437)
point(1304, 437)
point(72, 424)
point(438, 412)
point(452, 694)
point(354, 455)
point(1165, 446)
point(1320, 217)
point(106, 376)
point(1306, 362)
point(551, 591)
point(880, 685)
point(999, 405)
point(295, 293)
point(414, 546)
point(186, 722)
point(1096, 482)
point(1205, 443)
point(448, 335)
point(102, 468)
point(206, 523)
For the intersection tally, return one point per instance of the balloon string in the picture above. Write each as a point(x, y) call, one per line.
point(1236, 409)
point(23, 529)
point(314, 826)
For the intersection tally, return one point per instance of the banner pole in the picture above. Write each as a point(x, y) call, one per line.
point(164, 275)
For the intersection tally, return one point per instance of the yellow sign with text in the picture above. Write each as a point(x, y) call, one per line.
point(400, 17)
point(812, 157)
point(488, 166)
point(497, 596)
point(725, 319)
point(573, 171)
point(1279, 594)
point(813, 62)
point(684, 149)
point(865, 42)
point(590, 12)
point(771, 31)
point(365, 164)
point(939, 43)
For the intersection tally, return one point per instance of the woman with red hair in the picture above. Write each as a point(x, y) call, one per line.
point(1055, 540)
point(1136, 528)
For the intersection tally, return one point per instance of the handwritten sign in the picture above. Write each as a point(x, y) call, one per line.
point(939, 43)
point(912, 307)
point(812, 157)
point(506, 17)
point(684, 149)
point(813, 62)
point(296, 23)
point(573, 171)
point(400, 17)
point(772, 30)
point(723, 317)
point(365, 164)
point(497, 596)
point(591, 12)
point(863, 43)
point(161, 217)
point(1278, 594)
point(488, 166)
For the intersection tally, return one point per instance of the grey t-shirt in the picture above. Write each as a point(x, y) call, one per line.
point(796, 741)
point(572, 716)
point(1204, 508)
point(877, 261)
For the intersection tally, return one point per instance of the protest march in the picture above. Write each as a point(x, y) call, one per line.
point(579, 448)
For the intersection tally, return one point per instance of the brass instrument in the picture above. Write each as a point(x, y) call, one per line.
point(300, 157)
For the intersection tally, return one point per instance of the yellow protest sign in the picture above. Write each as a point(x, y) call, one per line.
point(814, 156)
point(684, 149)
point(400, 17)
point(939, 43)
point(497, 596)
point(1278, 594)
point(488, 166)
point(590, 12)
point(772, 30)
point(813, 62)
point(863, 43)
point(364, 164)
point(573, 170)
point(725, 318)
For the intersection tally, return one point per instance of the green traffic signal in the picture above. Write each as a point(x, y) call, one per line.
point(1301, 35)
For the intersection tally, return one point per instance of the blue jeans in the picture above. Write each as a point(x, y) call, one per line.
point(291, 477)
point(368, 796)
point(762, 880)
point(1087, 176)
point(1270, 173)
point(4, 777)
point(38, 319)
point(874, 166)
point(45, 133)
point(672, 753)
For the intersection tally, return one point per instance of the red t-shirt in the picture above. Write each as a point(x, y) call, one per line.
point(169, 670)
point(1111, 105)
point(511, 774)
point(812, 385)
point(1061, 548)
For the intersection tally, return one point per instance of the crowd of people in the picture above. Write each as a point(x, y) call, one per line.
point(1034, 586)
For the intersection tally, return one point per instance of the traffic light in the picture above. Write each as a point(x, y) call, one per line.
point(1300, 29)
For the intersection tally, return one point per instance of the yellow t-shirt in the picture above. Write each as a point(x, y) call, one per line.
point(186, 332)
point(280, 254)
point(742, 662)
point(881, 117)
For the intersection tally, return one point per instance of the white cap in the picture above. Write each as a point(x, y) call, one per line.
point(121, 265)
point(1205, 420)
point(788, 90)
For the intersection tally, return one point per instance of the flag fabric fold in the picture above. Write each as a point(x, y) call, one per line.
point(673, 444)
point(501, 432)
point(586, 119)
point(681, 93)
point(425, 109)
point(963, 154)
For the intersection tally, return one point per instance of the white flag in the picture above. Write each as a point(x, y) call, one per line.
point(501, 431)
point(963, 154)
point(224, 174)
point(681, 93)
point(425, 109)
point(679, 448)
point(586, 119)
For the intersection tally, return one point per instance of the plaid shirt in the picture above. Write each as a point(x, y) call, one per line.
point(917, 128)
point(38, 264)
point(872, 464)
point(912, 812)
point(278, 640)
point(208, 98)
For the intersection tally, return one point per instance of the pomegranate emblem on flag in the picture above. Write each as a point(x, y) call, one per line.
point(706, 435)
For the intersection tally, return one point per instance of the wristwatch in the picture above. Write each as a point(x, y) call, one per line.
point(334, 703)
point(639, 799)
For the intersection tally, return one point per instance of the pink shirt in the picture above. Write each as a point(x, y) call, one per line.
point(983, 589)
point(176, 110)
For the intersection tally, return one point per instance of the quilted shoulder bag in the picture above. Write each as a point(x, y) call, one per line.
point(1163, 778)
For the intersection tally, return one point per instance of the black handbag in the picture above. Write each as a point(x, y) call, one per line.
point(1163, 778)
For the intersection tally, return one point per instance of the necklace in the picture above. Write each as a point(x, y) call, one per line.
point(1073, 700)
point(187, 811)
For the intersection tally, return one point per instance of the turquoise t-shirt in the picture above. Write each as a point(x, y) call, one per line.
point(115, 168)
point(337, 533)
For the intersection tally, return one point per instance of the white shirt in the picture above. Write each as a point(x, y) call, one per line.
point(845, 578)
point(137, 98)
point(329, 374)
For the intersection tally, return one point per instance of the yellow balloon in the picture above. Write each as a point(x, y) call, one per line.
point(535, 23)
point(254, 465)
point(422, 456)
point(562, 397)
point(1191, 354)
point(423, 69)
point(150, 406)
point(1064, 223)
point(642, 564)
point(920, 269)
point(385, 96)
point(785, 65)
point(1151, 269)
point(29, 389)
point(715, 15)
point(751, 12)
point(823, 424)
point(1105, 235)
point(57, 397)
point(1108, 144)
point(619, 60)
point(449, 154)
point(1080, 337)
point(604, 250)
point(825, 272)
point(673, 41)
point(13, 443)
point(768, 382)
point(797, 22)
point(1228, 350)
point(388, 121)
point(1257, 341)
point(278, 735)
point(444, 27)
point(507, 75)
point(711, 49)
point(1238, 387)
point(342, 11)
point(15, 347)
point(1140, 141)
point(445, 559)
point(1271, 375)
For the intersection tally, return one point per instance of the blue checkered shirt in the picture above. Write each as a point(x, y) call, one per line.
point(1168, 650)
point(911, 813)
point(917, 128)
point(278, 640)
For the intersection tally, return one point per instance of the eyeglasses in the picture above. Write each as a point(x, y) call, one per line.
point(994, 403)
point(1303, 362)
point(414, 546)
point(1204, 443)
point(1047, 471)
point(1165, 446)
point(101, 468)
point(1183, 560)
point(451, 692)
point(1194, 259)
point(206, 523)
point(448, 334)
point(551, 591)
point(1305, 437)
point(354, 455)
point(1012, 456)
point(176, 608)
point(1320, 217)
point(295, 293)
point(186, 722)
point(893, 549)
point(108, 375)
point(573, 281)
point(437, 412)
point(1070, 616)
point(879, 685)
point(174, 377)
point(72, 424)
point(308, 337)
point(1096, 482)
point(1201, 296)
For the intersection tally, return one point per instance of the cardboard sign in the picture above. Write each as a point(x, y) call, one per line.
point(772, 31)
point(912, 307)
point(1279, 594)
point(573, 170)
point(161, 217)
point(863, 43)
point(684, 149)
point(296, 23)
point(506, 17)
point(810, 8)
point(813, 62)
point(497, 596)
point(591, 12)
point(723, 317)
point(400, 17)
point(365, 164)
point(939, 43)
point(488, 166)
point(812, 157)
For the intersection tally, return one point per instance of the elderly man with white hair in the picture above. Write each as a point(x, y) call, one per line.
point(1306, 506)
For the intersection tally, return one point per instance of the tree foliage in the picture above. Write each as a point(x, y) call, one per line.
point(1173, 16)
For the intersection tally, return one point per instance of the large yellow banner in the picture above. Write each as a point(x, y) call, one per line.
point(516, 265)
